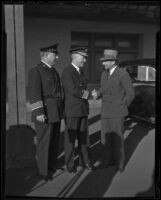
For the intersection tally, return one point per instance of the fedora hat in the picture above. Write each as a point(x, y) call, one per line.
point(109, 54)
point(79, 50)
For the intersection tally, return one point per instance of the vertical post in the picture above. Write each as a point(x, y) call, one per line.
point(20, 63)
point(16, 90)
point(11, 115)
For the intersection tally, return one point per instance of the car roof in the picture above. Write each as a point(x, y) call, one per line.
point(144, 61)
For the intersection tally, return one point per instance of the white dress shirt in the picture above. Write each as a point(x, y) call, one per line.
point(112, 70)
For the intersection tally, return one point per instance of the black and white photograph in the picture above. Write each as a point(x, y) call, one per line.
point(80, 84)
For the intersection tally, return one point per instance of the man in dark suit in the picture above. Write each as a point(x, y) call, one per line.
point(46, 98)
point(117, 94)
point(76, 110)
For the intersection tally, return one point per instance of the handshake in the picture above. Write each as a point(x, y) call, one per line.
point(86, 94)
point(94, 94)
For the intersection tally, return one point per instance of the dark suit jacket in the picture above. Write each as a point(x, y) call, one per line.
point(73, 85)
point(45, 93)
point(117, 93)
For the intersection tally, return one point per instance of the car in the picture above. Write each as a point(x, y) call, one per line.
point(142, 73)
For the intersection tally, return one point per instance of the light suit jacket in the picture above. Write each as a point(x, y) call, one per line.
point(117, 93)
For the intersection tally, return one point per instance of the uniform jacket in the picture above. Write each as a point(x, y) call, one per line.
point(73, 85)
point(117, 93)
point(45, 93)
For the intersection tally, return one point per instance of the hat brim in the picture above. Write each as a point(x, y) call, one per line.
point(108, 59)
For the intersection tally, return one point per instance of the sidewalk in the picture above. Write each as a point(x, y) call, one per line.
point(135, 181)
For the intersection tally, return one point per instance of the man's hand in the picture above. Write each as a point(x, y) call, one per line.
point(94, 94)
point(41, 118)
point(85, 94)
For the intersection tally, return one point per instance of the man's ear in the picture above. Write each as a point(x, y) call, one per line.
point(46, 54)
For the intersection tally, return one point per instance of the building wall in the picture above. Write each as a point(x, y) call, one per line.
point(41, 32)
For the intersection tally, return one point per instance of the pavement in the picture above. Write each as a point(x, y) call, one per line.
point(137, 180)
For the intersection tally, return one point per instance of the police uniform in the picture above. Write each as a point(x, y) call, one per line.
point(46, 97)
point(76, 113)
point(117, 94)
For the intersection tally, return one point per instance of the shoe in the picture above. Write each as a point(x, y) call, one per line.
point(72, 170)
point(52, 170)
point(48, 176)
point(89, 166)
point(121, 167)
point(106, 165)
point(55, 169)
point(45, 177)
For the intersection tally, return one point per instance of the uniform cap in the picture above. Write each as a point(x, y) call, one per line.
point(52, 48)
point(79, 50)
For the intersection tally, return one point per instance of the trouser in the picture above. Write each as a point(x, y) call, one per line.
point(112, 140)
point(47, 145)
point(76, 128)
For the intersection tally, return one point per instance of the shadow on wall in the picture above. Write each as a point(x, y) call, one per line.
point(20, 147)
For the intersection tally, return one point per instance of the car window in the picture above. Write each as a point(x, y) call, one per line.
point(141, 72)
point(151, 74)
point(146, 73)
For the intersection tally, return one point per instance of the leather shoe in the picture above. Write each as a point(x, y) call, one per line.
point(52, 170)
point(121, 167)
point(89, 166)
point(45, 177)
point(56, 169)
point(105, 165)
point(72, 170)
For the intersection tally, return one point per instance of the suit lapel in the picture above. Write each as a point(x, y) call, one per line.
point(75, 71)
point(114, 72)
point(110, 79)
point(45, 66)
point(80, 77)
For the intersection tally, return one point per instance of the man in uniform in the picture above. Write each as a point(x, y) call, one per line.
point(76, 110)
point(117, 94)
point(46, 98)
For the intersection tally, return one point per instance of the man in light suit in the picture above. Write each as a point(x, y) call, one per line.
point(76, 110)
point(117, 94)
point(46, 99)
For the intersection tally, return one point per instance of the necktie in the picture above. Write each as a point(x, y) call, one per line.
point(108, 74)
point(82, 78)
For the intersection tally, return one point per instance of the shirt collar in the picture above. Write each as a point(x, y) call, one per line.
point(77, 68)
point(112, 70)
point(46, 64)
